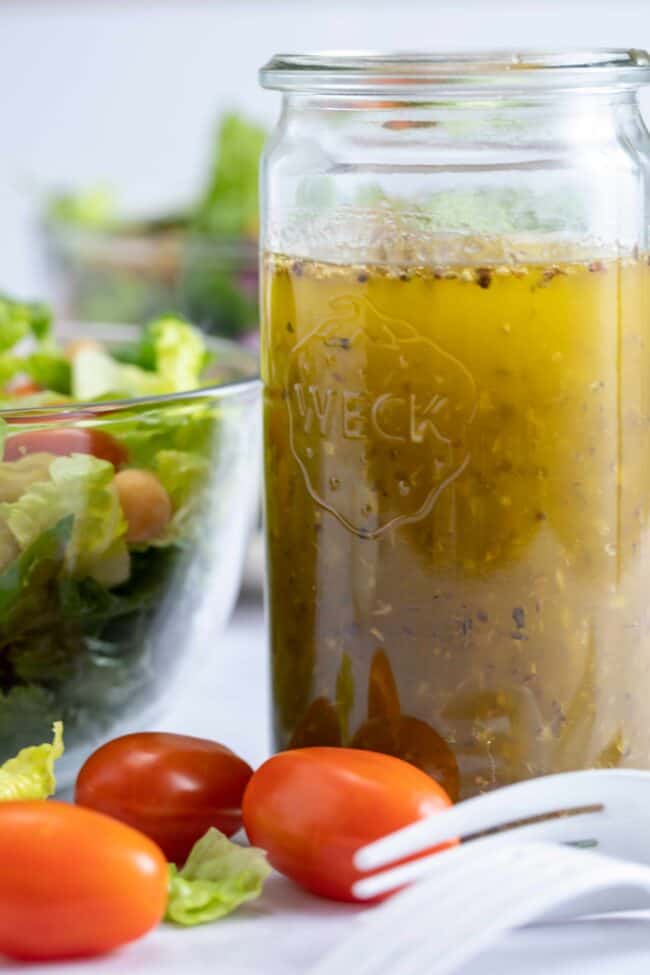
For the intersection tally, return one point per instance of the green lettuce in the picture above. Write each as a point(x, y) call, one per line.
point(24, 579)
point(217, 877)
point(89, 208)
point(97, 375)
point(50, 369)
point(229, 205)
point(71, 647)
point(30, 775)
point(10, 366)
point(82, 486)
point(186, 426)
point(169, 358)
point(179, 353)
point(184, 476)
point(18, 319)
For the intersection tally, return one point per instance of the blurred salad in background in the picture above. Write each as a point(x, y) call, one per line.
point(201, 263)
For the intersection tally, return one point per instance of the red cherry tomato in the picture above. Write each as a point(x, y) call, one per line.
point(74, 883)
point(171, 787)
point(311, 809)
point(63, 441)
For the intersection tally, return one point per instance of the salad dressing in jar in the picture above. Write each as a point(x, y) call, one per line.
point(456, 305)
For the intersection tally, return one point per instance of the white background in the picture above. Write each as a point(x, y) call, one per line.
point(126, 91)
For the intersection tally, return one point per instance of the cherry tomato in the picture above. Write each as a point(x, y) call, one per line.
point(311, 809)
point(74, 883)
point(171, 787)
point(63, 441)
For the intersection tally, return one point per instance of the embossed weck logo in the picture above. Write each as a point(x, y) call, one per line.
point(378, 416)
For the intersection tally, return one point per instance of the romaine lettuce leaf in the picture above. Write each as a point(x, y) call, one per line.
point(20, 318)
point(218, 876)
point(17, 476)
point(184, 477)
point(10, 366)
point(189, 427)
point(170, 358)
point(97, 375)
point(22, 582)
point(179, 353)
point(229, 204)
point(30, 775)
point(93, 207)
point(182, 474)
point(50, 369)
point(80, 485)
point(70, 647)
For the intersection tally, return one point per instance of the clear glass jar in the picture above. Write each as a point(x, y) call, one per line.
point(456, 307)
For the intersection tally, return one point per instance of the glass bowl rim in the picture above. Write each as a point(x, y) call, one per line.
point(87, 409)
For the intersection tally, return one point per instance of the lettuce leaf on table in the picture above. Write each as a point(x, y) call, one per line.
point(218, 877)
point(30, 775)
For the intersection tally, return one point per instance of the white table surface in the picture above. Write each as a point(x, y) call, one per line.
point(286, 930)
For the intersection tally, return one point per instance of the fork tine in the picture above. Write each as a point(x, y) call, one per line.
point(532, 890)
point(365, 953)
point(536, 797)
point(449, 889)
point(471, 910)
point(485, 911)
point(571, 829)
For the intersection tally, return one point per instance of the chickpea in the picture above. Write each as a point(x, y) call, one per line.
point(75, 346)
point(145, 503)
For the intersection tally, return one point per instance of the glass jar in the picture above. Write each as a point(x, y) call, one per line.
point(456, 307)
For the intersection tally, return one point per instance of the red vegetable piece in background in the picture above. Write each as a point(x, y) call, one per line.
point(64, 441)
point(25, 387)
point(171, 787)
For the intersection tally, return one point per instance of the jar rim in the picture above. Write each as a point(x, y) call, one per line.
point(421, 72)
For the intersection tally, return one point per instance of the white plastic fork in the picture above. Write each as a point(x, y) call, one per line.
point(604, 808)
point(477, 892)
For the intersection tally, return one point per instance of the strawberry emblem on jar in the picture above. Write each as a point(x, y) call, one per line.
point(378, 416)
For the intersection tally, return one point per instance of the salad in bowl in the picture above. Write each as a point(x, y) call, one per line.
point(128, 485)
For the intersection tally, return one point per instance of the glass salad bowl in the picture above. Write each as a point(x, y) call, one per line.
point(200, 261)
point(130, 274)
point(123, 529)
